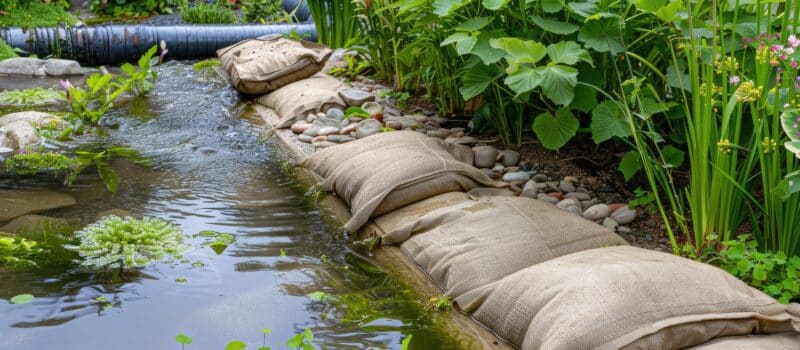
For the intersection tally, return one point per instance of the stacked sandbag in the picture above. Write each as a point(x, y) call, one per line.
point(474, 243)
point(383, 172)
point(754, 342)
point(313, 95)
point(624, 298)
point(392, 227)
point(258, 66)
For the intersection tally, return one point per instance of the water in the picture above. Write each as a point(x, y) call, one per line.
point(210, 171)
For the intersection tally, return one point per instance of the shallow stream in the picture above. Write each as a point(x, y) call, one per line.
point(210, 170)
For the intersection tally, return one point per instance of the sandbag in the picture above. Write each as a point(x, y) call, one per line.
point(258, 66)
point(624, 297)
point(392, 226)
point(294, 101)
point(754, 342)
point(474, 243)
point(383, 172)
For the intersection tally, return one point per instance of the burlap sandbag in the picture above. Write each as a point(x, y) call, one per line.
point(294, 101)
point(474, 243)
point(258, 66)
point(624, 297)
point(754, 342)
point(390, 227)
point(383, 172)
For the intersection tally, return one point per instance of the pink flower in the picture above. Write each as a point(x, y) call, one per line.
point(776, 48)
point(793, 41)
point(734, 80)
point(788, 50)
point(66, 85)
point(793, 64)
point(164, 51)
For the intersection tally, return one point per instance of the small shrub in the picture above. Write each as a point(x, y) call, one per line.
point(202, 13)
point(131, 7)
point(128, 243)
point(262, 11)
point(29, 13)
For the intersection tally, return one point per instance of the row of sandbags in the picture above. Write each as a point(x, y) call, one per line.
point(285, 73)
point(538, 276)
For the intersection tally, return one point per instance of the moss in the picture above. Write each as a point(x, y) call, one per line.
point(6, 51)
point(29, 97)
point(36, 14)
point(33, 163)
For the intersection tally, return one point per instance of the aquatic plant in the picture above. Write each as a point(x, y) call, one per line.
point(440, 303)
point(141, 77)
point(35, 163)
point(17, 252)
point(101, 159)
point(205, 65)
point(6, 51)
point(28, 97)
point(29, 14)
point(128, 243)
point(218, 242)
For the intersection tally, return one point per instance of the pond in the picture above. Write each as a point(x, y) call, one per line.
point(210, 170)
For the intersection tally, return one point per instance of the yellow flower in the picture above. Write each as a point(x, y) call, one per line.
point(769, 145)
point(715, 89)
point(762, 54)
point(748, 92)
point(724, 146)
point(730, 64)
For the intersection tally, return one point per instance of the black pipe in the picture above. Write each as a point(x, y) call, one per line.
point(116, 43)
point(299, 8)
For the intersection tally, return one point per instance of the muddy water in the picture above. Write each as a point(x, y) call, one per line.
point(210, 171)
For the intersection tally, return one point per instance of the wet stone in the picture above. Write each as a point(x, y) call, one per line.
point(485, 156)
point(579, 196)
point(566, 187)
point(304, 138)
point(541, 178)
point(518, 176)
point(340, 138)
point(510, 157)
point(624, 215)
point(356, 97)
point(368, 127)
point(15, 203)
point(597, 212)
point(335, 113)
point(547, 199)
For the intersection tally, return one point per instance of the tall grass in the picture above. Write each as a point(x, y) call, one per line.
point(336, 22)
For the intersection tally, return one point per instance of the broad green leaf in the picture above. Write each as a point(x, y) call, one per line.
point(759, 274)
point(454, 38)
point(585, 9)
point(494, 4)
point(484, 49)
point(236, 345)
point(354, 111)
point(520, 51)
point(608, 121)
point(474, 24)
point(464, 42)
point(791, 125)
point(673, 156)
point(183, 339)
point(791, 285)
point(554, 132)
point(404, 345)
point(650, 5)
point(444, 8)
point(585, 99)
point(794, 147)
point(678, 79)
point(266, 330)
point(407, 5)
point(558, 83)
point(552, 6)
point(669, 13)
point(568, 52)
point(108, 175)
point(630, 164)
point(475, 81)
point(552, 26)
point(791, 183)
point(523, 80)
point(22, 299)
point(603, 34)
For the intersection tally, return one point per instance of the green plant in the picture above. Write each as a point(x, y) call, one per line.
point(31, 13)
point(6, 51)
point(28, 97)
point(399, 98)
point(34, 163)
point(22, 299)
point(88, 105)
point(101, 159)
point(141, 78)
point(183, 339)
point(440, 303)
point(16, 252)
point(218, 242)
point(353, 68)
point(772, 272)
point(336, 22)
point(302, 341)
point(205, 65)
point(203, 13)
point(263, 11)
point(128, 243)
point(131, 7)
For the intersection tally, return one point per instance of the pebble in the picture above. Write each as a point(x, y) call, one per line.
point(510, 157)
point(304, 138)
point(394, 124)
point(368, 127)
point(568, 202)
point(558, 195)
point(510, 169)
point(571, 179)
point(372, 108)
point(318, 139)
point(590, 203)
point(312, 131)
point(545, 198)
point(356, 97)
point(597, 212)
point(340, 138)
point(324, 144)
point(328, 130)
point(439, 134)
point(624, 229)
point(300, 127)
point(575, 210)
point(540, 178)
point(578, 195)
point(466, 140)
point(624, 215)
point(498, 167)
point(566, 187)
point(485, 156)
point(610, 224)
point(355, 119)
point(391, 112)
point(615, 206)
point(348, 129)
point(518, 176)
point(335, 113)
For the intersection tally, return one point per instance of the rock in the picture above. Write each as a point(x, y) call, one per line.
point(348, 129)
point(530, 185)
point(320, 115)
point(615, 206)
point(568, 202)
point(325, 144)
point(305, 138)
point(625, 229)
point(590, 202)
point(328, 130)
point(547, 199)
point(558, 195)
point(510, 169)
point(597, 212)
point(31, 224)
point(466, 140)
point(578, 195)
point(498, 167)
point(39, 119)
point(518, 176)
point(312, 131)
point(340, 138)
point(575, 210)
point(345, 122)
point(18, 135)
point(394, 124)
point(319, 139)
point(571, 179)
point(372, 108)
point(610, 224)
point(300, 127)
point(392, 112)
point(439, 134)
point(566, 187)
point(541, 178)
point(356, 97)
point(114, 212)
point(22, 66)
point(582, 190)
point(57, 67)
point(15, 203)
point(367, 127)
point(624, 215)
point(5, 151)
point(354, 120)
point(510, 157)
point(327, 122)
point(335, 113)
point(485, 156)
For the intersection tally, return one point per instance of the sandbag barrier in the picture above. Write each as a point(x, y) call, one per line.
point(539, 277)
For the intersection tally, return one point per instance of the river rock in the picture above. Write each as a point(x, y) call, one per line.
point(305, 138)
point(312, 131)
point(325, 144)
point(15, 203)
point(328, 130)
point(57, 67)
point(348, 129)
point(319, 139)
point(547, 199)
point(624, 215)
point(300, 127)
point(566, 187)
point(31, 117)
point(31, 224)
point(485, 156)
point(356, 97)
point(22, 66)
point(18, 135)
point(578, 195)
point(575, 210)
point(391, 111)
point(335, 113)
point(610, 224)
point(439, 134)
point(597, 212)
point(367, 127)
point(540, 178)
point(372, 108)
point(517, 176)
point(466, 140)
point(510, 157)
point(394, 124)
point(327, 122)
point(355, 119)
point(340, 138)
point(568, 202)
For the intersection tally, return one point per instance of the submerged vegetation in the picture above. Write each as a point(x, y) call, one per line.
point(29, 97)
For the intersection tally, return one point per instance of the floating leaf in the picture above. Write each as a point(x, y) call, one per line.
point(266, 330)
point(554, 132)
point(22, 299)
point(317, 296)
point(183, 339)
point(236, 345)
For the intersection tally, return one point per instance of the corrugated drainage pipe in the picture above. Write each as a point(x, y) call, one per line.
point(116, 43)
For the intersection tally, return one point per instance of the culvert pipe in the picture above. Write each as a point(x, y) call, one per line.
point(117, 43)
